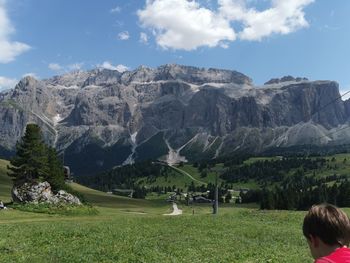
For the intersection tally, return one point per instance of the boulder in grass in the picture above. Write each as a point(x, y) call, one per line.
point(41, 193)
point(68, 198)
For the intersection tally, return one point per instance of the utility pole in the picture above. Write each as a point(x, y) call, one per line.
point(216, 201)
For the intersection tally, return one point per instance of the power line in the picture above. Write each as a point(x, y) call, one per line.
point(322, 108)
point(331, 133)
point(329, 103)
point(344, 128)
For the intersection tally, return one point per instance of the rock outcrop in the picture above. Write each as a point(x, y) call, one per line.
point(103, 118)
point(42, 193)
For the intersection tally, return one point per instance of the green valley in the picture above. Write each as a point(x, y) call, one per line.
point(136, 230)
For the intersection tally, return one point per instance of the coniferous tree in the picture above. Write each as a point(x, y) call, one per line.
point(30, 163)
point(56, 171)
point(35, 161)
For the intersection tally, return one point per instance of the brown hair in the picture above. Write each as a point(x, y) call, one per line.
point(329, 223)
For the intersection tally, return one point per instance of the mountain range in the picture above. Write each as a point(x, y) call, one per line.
point(104, 118)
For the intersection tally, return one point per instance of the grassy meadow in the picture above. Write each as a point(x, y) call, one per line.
point(5, 182)
point(236, 235)
point(129, 230)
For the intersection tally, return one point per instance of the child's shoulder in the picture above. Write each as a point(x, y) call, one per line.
point(338, 256)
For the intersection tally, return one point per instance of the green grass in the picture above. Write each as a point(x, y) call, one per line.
point(256, 159)
point(211, 175)
point(129, 230)
point(74, 210)
point(174, 178)
point(96, 198)
point(338, 166)
point(181, 180)
point(236, 235)
point(5, 182)
point(251, 184)
point(122, 204)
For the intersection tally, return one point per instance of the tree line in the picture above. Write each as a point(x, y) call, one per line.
point(300, 192)
point(269, 170)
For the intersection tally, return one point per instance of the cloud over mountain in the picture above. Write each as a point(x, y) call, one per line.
point(182, 24)
point(9, 49)
point(109, 65)
point(7, 83)
point(188, 25)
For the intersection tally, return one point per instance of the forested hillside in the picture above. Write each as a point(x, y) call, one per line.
point(273, 182)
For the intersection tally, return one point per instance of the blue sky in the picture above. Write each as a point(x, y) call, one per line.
point(260, 38)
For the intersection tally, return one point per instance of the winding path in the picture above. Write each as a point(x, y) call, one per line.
point(176, 211)
point(183, 172)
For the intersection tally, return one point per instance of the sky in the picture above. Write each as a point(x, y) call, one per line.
point(263, 39)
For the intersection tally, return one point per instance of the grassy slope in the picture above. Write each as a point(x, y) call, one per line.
point(174, 178)
point(210, 178)
point(338, 166)
point(94, 197)
point(236, 235)
point(5, 182)
point(123, 204)
point(121, 234)
point(256, 159)
point(180, 180)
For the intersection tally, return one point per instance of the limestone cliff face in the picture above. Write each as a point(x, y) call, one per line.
point(172, 112)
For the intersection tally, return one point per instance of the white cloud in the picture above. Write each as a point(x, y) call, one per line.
point(122, 68)
point(61, 69)
point(283, 17)
point(143, 38)
point(183, 24)
point(31, 74)
point(7, 83)
point(55, 67)
point(116, 9)
point(124, 35)
point(75, 66)
point(9, 49)
point(345, 93)
point(108, 65)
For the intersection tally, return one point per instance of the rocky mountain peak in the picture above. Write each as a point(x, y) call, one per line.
point(110, 118)
point(27, 81)
point(102, 76)
point(74, 78)
point(285, 79)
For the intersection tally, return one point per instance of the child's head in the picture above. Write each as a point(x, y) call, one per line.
point(326, 227)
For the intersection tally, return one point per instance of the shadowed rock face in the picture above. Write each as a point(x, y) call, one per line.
point(114, 118)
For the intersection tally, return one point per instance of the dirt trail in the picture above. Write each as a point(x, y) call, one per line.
point(176, 211)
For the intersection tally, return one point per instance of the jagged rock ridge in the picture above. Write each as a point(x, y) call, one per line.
point(102, 118)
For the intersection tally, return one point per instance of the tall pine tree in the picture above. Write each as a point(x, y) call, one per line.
point(56, 171)
point(30, 162)
point(34, 161)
